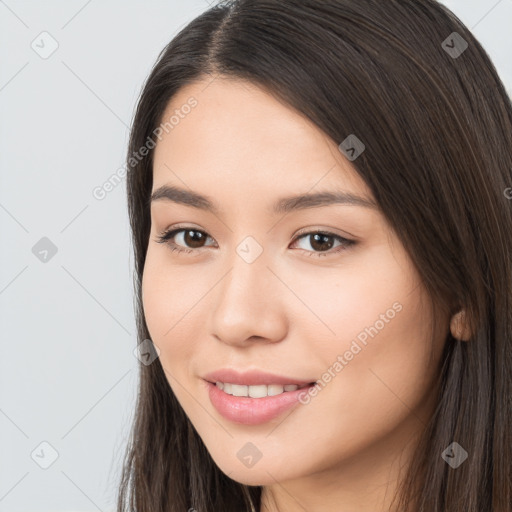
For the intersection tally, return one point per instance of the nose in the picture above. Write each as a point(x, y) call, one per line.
point(249, 305)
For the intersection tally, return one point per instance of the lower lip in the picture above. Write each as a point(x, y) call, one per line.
point(253, 411)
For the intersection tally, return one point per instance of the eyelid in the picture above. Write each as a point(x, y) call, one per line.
point(332, 231)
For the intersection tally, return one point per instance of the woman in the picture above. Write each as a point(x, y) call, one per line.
point(322, 231)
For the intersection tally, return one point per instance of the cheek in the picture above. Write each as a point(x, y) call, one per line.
point(168, 298)
point(167, 293)
point(377, 355)
point(358, 299)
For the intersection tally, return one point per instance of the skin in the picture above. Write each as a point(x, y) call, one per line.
point(291, 311)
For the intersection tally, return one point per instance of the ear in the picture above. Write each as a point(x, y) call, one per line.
point(459, 326)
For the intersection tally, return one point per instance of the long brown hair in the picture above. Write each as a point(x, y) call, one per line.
point(437, 125)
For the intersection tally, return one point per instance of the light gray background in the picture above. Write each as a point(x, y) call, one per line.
point(67, 371)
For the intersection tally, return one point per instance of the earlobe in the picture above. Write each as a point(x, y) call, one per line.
point(459, 326)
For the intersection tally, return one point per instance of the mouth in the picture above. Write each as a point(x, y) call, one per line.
point(254, 404)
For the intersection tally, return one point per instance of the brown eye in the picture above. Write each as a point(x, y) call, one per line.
point(192, 239)
point(322, 242)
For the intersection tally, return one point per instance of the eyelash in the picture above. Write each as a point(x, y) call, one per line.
point(165, 236)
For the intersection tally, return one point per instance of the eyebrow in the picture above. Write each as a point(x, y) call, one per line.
point(281, 206)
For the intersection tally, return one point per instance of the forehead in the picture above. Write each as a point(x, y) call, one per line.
point(237, 135)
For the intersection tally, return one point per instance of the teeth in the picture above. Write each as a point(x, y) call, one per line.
point(259, 391)
point(275, 389)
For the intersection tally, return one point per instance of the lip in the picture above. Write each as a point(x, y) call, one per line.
point(252, 378)
point(252, 411)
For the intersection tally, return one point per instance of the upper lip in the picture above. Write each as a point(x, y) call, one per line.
point(252, 378)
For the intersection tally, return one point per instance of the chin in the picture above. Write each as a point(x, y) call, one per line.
point(252, 476)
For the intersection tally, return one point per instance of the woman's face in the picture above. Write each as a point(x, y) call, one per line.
point(258, 290)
